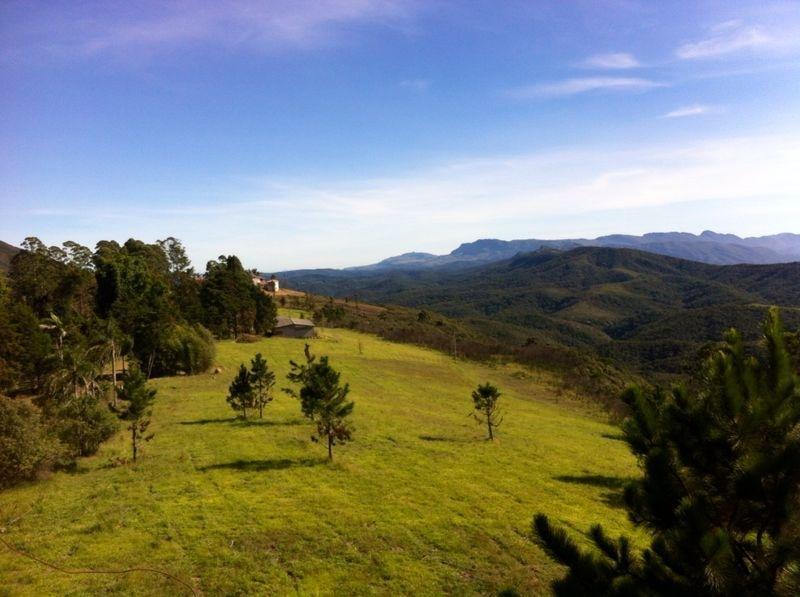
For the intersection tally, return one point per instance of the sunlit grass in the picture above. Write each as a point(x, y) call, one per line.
point(419, 503)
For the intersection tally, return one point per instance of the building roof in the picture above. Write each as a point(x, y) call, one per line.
point(293, 321)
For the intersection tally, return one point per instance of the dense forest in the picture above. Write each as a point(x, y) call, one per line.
point(73, 322)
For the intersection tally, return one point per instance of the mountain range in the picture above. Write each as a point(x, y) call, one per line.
point(708, 247)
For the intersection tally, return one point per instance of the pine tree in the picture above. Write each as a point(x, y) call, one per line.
point(137, 399)
point(240, 392)
point(485, 399)
point(299, 374)
point(262, 381)
point(323, 399)
point(720, 494)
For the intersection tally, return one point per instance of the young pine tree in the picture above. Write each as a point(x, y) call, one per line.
point(262, 381)
point(720, 495)
point(240, 393)
point(136, 401)
point(323, 399)
point(485, 399)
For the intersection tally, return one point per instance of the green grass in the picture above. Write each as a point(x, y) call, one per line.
point(419, 503)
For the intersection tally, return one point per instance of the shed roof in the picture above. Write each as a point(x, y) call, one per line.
point(283, 322)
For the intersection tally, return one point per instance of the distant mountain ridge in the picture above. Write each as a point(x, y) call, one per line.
point(709, 247)
point(6, 253)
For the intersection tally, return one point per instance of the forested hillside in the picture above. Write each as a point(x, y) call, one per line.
point(74, 323)
point(646, 310)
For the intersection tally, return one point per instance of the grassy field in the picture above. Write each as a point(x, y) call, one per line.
point(419, 503)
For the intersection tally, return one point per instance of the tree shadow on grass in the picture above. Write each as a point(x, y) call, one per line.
point(616, 436)
point(615, 485)
point(239, 422)
point(443, 438)
point(271, 464)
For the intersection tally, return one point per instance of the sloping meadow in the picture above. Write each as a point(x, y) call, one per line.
point(418, 503)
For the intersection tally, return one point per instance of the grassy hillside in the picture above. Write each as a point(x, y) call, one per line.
point(418, 504)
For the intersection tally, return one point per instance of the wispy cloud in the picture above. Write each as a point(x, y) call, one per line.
point(93, 28)
point(418, 85)
point(351, 222)
point(613, 61)
point(583, 85)
point(726, 38)
point(693, 110)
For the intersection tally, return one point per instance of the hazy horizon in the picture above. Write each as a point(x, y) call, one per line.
point(337, 133)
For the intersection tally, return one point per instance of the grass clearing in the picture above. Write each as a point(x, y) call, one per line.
point(419, 503)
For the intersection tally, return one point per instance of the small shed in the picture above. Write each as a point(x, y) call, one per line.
point(293, 327)
point(272, 285)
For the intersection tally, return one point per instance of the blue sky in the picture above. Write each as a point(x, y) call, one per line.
point(327, 133)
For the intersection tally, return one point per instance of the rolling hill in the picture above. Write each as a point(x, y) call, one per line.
point(418, 504)
point(649, 311)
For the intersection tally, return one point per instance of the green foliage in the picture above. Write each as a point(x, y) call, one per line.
point(76, 372)
point(262, 380)
point(721, 485)
point(133, 287)
point(485, 401)
point(175, 252)
point(322, 399)
point(136, 409)
point(24, 348)
point(27, 448)
point(83, 424)
point(240, 393)
point(331, 313)
point(35, 276)
point(186, 348)
point(233, 305)
point(69, 317)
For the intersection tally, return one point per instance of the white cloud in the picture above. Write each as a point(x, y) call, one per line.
point(619, 60)
point(358, 221)
point(584, 85)
point(726, 38)
point(693, 110)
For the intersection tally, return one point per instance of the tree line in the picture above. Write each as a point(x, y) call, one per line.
point(78, 325)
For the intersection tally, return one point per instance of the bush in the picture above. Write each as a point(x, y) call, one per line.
point(85, 423)
point(26, 447)
point(186, 348)
point(248, 338)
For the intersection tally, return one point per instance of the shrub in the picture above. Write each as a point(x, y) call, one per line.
point(248, 338)
point(26, 447)
point(186, 348)
point(83, 424)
